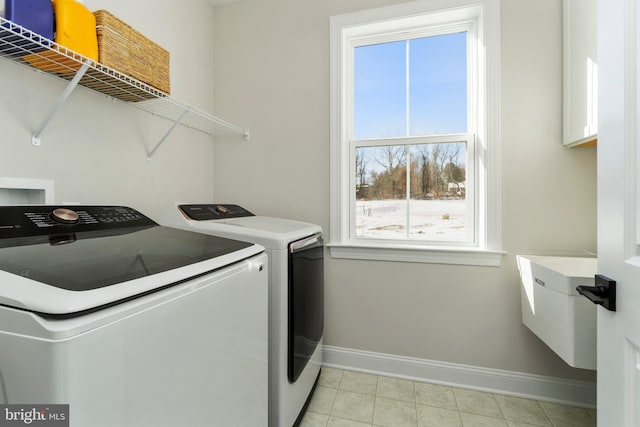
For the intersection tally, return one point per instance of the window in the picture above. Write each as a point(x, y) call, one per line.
point(414, 150)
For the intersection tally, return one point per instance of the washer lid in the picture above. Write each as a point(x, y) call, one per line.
point(272, 233)
point(56, 270)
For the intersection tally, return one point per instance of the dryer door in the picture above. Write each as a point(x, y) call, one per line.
point(306, 302)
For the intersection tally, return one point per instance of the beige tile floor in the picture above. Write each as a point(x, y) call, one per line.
point(353, 399)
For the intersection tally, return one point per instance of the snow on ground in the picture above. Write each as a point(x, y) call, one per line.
point(430, 219)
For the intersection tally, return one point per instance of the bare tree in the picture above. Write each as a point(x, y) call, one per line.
point(436, 175)
point(420, 156)
point(450, 155)
point(361, 167)
point(433, 167)
point(362, 161)
point(392, 158)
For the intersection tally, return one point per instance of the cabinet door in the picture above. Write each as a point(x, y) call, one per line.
point(580, 97)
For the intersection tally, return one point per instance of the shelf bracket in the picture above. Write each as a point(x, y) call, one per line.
point(166, 135)
point(35, 138)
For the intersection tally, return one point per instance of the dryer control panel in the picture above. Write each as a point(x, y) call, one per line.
point(213, 211)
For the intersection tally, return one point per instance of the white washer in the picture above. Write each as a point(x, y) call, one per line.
point(296, 252)
point(130, 323)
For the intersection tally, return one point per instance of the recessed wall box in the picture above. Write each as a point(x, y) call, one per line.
point(25, 191)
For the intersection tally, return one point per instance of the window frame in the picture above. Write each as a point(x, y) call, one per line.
point(420, 18)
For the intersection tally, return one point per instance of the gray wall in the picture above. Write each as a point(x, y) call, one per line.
point(95, 149)
point(272, 76)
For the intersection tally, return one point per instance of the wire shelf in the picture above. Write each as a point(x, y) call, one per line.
point(29, 49)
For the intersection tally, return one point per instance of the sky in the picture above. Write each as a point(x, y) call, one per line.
point(437, 87)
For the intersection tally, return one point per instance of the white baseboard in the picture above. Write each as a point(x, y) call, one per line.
point(538, 387)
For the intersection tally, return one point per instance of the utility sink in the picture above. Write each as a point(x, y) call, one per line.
point(553, 309)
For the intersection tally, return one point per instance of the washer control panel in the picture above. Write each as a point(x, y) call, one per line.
point(23, 221)
point(213, 211)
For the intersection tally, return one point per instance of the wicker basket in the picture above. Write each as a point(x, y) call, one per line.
point(129, 52)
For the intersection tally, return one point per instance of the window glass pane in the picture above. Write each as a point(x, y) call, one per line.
point(436, 207)
point(438, 84)
point(438, 192)
point(380, 90)
point(381, 195)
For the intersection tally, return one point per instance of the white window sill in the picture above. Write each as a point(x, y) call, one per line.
point(406, 253)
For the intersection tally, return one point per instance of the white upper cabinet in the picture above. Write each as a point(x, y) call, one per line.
point(580, 78)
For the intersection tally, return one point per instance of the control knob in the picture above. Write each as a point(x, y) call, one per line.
point(222, 210)
point(65, 216)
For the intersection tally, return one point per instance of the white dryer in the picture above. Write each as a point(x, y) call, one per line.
point(296, 286)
